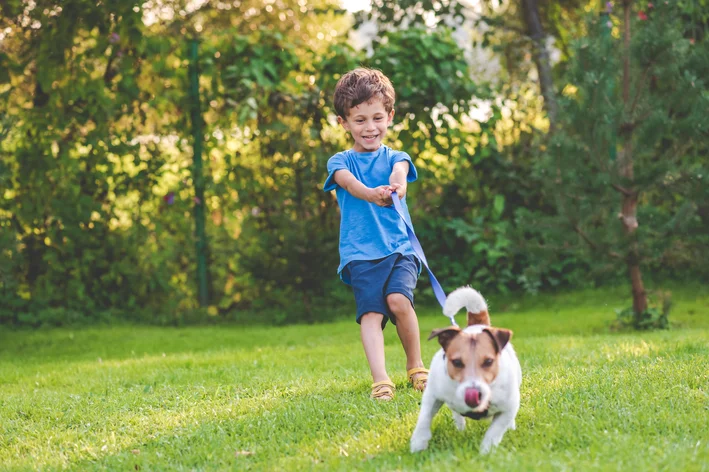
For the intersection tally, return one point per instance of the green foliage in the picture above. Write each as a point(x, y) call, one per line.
point(112, 230)
point(251, 71)
point(69, 161)
point(655, 317)
point(652, 318)
point(96, 193)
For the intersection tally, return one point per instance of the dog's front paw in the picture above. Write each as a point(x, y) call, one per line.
point(486, 447)
point(419, 444)
point(459, 421)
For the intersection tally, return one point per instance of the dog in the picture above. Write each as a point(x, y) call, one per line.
point(476, 373)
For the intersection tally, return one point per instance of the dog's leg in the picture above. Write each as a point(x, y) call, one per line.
point(422, 432)
point(500, 423)
point(459, 421)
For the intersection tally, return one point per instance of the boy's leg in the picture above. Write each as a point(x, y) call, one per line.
point(368, 279)
point(373, 342)
point(407, 327)
point(400, 300)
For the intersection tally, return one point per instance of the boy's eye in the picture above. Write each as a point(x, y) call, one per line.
point(457, 363)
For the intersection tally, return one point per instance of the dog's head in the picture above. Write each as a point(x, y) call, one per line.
point(473, 361)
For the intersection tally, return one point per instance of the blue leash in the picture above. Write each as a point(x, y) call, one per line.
point(437, 289)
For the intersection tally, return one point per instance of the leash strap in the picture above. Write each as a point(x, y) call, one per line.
point(437, 289)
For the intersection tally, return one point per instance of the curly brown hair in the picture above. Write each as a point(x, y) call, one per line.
point(360, 86)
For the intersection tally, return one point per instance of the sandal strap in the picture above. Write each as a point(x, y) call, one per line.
point(387, 383)
point(420, 382)
point(416, 370)
point(383, 388)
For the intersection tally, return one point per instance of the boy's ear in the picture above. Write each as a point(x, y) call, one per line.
point(343, 122)
point(391, 117)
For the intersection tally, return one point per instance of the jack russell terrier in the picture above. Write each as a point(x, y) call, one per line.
point(476, 373)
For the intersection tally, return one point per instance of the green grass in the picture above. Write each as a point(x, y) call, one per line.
point(295, 398)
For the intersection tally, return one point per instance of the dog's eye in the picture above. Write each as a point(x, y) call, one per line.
point(457, 363)
point(488, 362)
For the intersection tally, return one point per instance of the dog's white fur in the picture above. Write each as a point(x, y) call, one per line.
point(501, 397)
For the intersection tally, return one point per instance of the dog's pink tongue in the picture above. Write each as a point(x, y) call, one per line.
point(472, 397)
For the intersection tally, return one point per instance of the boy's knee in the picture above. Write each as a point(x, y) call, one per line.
point(372, 317)
point(398, 303)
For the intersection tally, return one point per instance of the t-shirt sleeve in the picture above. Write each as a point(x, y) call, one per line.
point(335, 163)
point(402, 156)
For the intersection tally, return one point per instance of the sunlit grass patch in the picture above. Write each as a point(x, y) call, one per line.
point(296, 398)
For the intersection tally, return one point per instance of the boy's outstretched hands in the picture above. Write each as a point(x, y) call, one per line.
point(380, 195)
point(400, 189)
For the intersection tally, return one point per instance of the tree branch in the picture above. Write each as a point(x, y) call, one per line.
point(622, 190)
point(593, 245)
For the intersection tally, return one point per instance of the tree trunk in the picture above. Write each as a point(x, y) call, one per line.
point(628, 214)
point(535, 30)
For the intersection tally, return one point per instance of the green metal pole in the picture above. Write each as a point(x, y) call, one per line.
point(606, 28)
point(197, 175)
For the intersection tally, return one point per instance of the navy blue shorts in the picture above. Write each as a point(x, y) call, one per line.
point(373, 280)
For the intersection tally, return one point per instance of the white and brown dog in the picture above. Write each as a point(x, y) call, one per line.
point(476, 373)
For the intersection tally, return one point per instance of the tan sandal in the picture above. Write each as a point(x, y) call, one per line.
point(418, 382)
point(383, 391)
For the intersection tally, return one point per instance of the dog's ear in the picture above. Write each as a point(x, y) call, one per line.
point(500, 337)
point(444, 335)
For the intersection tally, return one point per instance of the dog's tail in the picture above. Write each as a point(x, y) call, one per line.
point(473, 302)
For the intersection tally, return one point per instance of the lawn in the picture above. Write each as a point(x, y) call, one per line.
point(296, 398)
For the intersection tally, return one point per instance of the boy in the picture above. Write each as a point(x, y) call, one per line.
point(376, 256)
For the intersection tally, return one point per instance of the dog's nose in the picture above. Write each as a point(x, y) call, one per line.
point(472, 397)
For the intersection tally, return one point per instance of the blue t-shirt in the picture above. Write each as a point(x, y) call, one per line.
point(368, 231)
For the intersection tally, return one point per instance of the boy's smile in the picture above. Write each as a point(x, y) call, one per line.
point(368, 123)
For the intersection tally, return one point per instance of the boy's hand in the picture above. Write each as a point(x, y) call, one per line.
point(380, 195)
point(399, 189)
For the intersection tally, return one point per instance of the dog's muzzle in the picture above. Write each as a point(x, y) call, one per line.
point(472, 397)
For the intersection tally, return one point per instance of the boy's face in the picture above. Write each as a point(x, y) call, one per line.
point(368, 123)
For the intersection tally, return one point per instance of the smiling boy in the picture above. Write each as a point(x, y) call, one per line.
point(376, 256)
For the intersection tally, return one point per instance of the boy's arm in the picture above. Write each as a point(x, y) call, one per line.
point(397, 179)
point(380, 195)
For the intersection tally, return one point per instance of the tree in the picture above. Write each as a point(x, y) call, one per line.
point(659, 116)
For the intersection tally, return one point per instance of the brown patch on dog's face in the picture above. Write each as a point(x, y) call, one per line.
point(473, 355)
point(482, 318)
